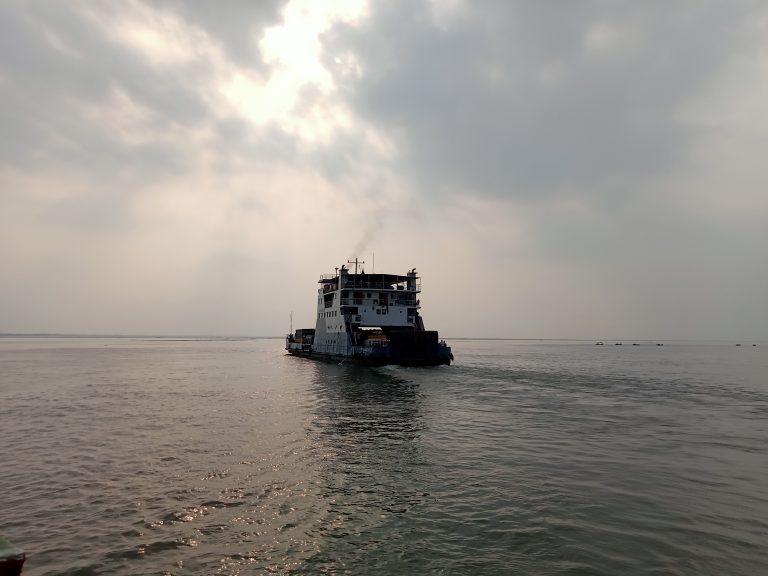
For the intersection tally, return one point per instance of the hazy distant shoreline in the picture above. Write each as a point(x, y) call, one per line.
point(140, 336)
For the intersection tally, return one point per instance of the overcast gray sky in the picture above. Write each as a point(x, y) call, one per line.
point(552, 169)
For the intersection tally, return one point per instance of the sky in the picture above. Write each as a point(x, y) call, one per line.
point(552, 169)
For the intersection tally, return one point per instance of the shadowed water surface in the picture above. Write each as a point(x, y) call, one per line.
point(129, 456)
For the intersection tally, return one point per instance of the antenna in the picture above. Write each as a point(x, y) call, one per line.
point(356, 262)
point(291, 322)
point(374, 262)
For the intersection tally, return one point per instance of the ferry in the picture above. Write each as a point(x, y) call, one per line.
point(369, 319)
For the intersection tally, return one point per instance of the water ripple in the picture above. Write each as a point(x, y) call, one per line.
point(226, 457)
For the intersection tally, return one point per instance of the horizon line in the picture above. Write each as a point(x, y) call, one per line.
point(274, 337)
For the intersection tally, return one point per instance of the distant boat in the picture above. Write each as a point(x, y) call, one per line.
point(598, 344)
point(617, 344)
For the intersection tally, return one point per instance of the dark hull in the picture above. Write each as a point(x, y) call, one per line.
point(362, 361)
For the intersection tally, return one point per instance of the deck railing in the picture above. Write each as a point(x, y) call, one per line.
point(356, 284)
point(366, 302)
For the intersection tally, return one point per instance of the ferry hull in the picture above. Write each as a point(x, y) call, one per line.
point(373, 360)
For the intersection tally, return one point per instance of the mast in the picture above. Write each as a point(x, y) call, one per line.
point(356, 262)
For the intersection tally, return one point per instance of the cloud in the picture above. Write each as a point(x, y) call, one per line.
point(580, 170)
point(529, 100)
point(137, 194)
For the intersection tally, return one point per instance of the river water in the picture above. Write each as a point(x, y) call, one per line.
point(140, 456)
